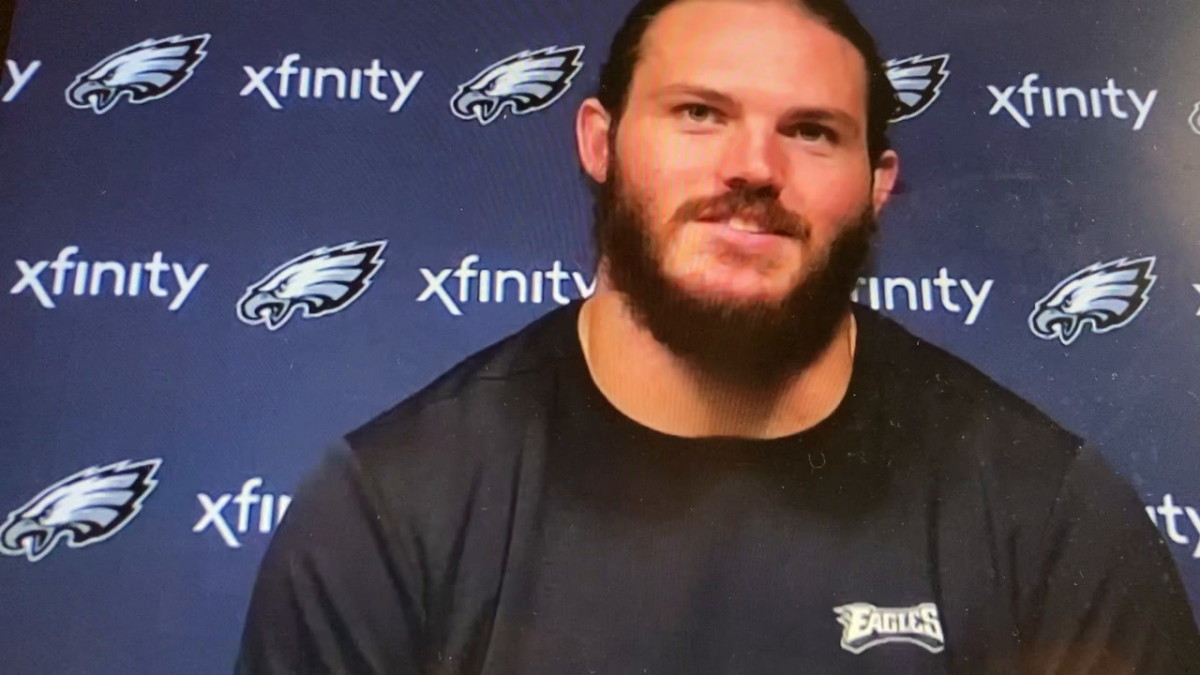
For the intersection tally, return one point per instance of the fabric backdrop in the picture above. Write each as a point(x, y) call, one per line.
point(232, 232)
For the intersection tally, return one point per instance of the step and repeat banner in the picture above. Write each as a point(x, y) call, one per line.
point(231, 233)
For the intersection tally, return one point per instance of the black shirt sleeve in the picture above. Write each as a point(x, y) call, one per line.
point(1105, 595)
point(337, 591)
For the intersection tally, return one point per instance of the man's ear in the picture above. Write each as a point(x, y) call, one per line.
point(885, 172)
point(592, 123)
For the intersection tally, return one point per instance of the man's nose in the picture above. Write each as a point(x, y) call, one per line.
point(753, 157)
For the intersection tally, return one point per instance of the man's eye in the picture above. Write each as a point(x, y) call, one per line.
point(698, 112)
point(814, 132)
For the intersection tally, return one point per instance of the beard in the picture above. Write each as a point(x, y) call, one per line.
point(749, 345)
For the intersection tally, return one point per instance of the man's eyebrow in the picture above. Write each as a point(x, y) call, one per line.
point(829, 115)
point(792, 116)
point(704, 93)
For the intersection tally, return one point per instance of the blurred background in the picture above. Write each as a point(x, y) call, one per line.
point(167, 165)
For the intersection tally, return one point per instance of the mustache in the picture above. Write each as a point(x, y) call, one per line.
point(747, 204)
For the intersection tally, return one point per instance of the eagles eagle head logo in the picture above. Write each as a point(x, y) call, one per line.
point(320, 282)
point(1101, 296)
point(918, 82)
point(82, 509)
point(144, 72)
point(524, 82)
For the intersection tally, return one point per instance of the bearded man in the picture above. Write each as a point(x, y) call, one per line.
point(717, 463)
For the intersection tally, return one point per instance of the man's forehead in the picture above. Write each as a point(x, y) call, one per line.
point(723, 41)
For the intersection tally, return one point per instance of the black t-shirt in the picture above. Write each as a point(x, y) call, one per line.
point(508, 519)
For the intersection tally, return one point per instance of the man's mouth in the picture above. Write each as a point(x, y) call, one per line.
point(747, 226)
point(751, 226)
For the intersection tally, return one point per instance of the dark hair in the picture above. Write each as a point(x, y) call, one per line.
point(623, 55)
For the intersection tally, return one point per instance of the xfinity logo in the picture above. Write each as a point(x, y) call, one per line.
point(275, 84)
point(1033, 101)
point(457, 286)
point(952, 295)
point(1171, 513)
point(49, 279)
point(19, 77)
point(251, 510)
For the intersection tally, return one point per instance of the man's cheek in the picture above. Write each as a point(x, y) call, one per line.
point(681, 156)
point(834, 179)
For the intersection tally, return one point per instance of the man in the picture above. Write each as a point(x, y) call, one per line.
point(717, 464)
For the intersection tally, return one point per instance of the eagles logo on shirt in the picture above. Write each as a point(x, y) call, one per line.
point(918, 82)
point(317, 283)
point(1194, 119)
point(1102, 297)
point(82, 509)
point(148, 70)
point(866, 626)
point(524, 82)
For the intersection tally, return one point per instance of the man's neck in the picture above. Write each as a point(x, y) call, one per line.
point(649, 384)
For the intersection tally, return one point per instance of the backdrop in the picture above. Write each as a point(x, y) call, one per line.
point(231, 233)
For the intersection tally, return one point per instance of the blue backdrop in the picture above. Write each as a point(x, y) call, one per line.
point(165, 163)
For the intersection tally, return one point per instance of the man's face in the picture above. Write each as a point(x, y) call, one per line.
point(731, 93)
point(741, 156)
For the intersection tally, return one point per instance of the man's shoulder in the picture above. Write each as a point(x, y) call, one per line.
point(952, 396)
point(487, 396)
